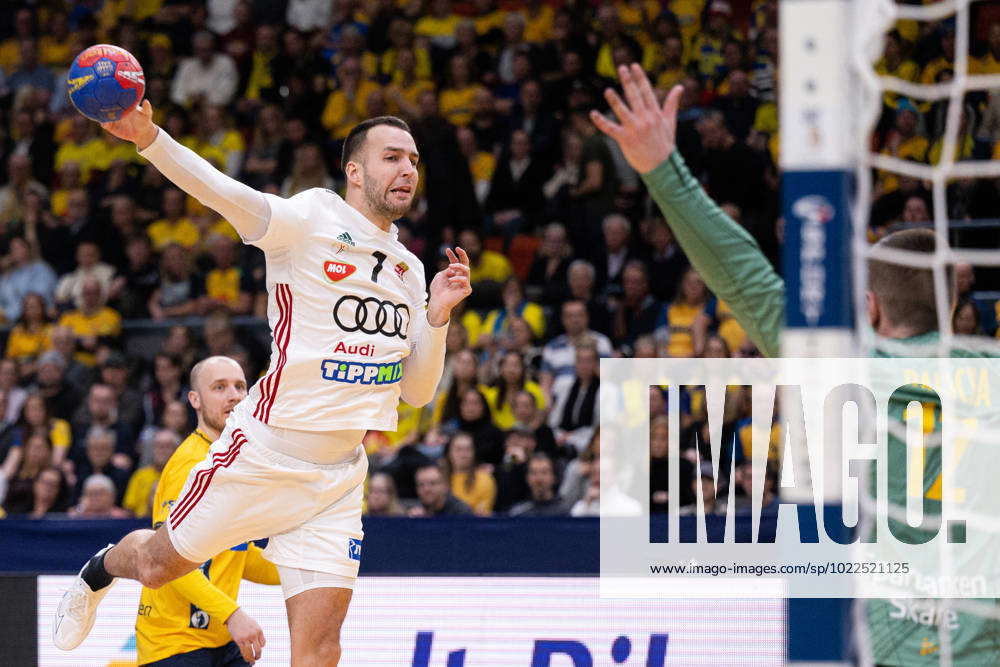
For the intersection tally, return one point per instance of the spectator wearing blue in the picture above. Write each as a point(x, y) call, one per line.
point(559, 355)
point(31, 72)
point(26, 274)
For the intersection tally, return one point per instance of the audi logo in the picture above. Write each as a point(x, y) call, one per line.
point(372, 316)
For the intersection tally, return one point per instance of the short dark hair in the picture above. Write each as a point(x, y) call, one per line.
point(906, 293)
point(431, 465)
point(356, 137)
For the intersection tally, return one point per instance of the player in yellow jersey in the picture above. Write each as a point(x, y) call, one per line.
point(194, 621)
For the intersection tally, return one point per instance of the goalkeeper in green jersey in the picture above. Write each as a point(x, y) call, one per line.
point(901, 310)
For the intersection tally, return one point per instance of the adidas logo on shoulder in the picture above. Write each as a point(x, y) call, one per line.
point(346, 238)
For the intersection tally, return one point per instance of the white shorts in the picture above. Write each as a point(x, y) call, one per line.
point(244, 491)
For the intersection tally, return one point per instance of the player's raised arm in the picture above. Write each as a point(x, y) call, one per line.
point(422, 368)
point(727, 257)
point(246, 209)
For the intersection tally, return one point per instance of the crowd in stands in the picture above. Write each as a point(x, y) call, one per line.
point(570, 260)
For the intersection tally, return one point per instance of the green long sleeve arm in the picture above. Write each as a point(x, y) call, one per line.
point(724, 254)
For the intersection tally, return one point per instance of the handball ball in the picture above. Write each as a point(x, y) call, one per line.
point(105, 82)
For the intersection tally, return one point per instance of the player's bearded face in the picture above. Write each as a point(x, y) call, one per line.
point(389, 186)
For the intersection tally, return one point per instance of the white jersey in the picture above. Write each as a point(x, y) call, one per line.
point(345, 303)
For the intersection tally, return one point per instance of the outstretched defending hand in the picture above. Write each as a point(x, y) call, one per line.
point(646, 133)
point(449, 287)
point(136, 126)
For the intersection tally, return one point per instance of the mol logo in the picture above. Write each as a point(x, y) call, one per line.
point(551, 652)
point(337, 271)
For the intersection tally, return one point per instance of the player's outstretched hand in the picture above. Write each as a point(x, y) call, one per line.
point(247, 635)
point(136, 126)
point(449, 287)
point(645, 131)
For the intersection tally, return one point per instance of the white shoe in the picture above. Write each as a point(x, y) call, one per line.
point(77, 611)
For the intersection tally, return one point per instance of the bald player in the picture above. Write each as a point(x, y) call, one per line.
point(195, 621)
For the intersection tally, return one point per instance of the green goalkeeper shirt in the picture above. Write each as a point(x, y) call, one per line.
point(902, 632)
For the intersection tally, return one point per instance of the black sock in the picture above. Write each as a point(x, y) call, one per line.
point(94, 573)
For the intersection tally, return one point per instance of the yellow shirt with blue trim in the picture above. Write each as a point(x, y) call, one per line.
point(189, 613)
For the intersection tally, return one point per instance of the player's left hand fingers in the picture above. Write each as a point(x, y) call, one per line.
point(452, 259)
point(460, 269)
point(631, 89)
point(462, 256)
point(645, 89)
point(617, 104)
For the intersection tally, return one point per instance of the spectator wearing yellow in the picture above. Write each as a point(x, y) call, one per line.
point(80, 146)
point(637, 16)
point(348, 104)
point(70, 178)
point(895, 63)
point(706, 49)
point(141, 485)
point(32, 334)
point(487, 17)
point(500, 394)
point(227, 287)
point(484, 264)
point(216, 142)
point(670, 64)
point(438, 25)
point(946, 59)
point(688, 13)
point(401, 38)
point(10, 48)
point(113, 11)
point(469, 483)
point(456, 101)
point(903, 141)
point(263, 78)
point(93, 322)
point(174, 226)
point(539, 22)
point(403, 93)
point(515, 304)
point(36, 418)
point(990, 62)
point(481, 163)
point(55, 48)
point(680, 316)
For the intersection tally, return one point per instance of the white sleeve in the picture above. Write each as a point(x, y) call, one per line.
point(245, 208)
point(422, 369)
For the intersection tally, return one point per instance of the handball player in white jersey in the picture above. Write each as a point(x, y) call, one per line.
point(353, 332)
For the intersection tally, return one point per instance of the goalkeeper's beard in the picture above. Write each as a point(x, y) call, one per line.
point(378, 202)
